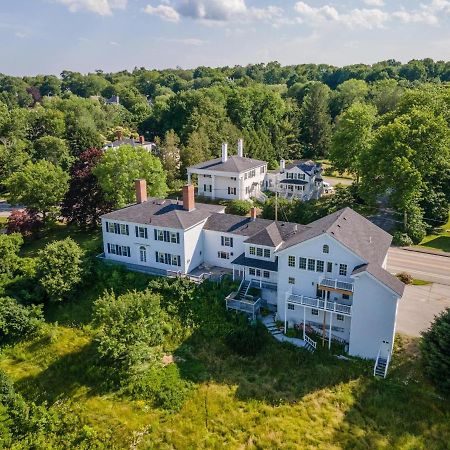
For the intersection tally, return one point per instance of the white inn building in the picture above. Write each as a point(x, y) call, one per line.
point(327, 277)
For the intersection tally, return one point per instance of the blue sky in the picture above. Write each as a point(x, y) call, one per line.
point(47, 36)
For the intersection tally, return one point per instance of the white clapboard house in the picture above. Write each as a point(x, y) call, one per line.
point(328, 276)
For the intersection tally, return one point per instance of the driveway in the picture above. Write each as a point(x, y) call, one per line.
point(419, 305)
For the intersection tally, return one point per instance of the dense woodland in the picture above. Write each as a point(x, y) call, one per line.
point(93, 356)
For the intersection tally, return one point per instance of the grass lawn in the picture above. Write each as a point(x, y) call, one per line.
point(283, 398)
point(439, 240)
point(89, 240)
point(417, 282)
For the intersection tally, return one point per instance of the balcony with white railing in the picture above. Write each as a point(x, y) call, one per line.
point(334, 283)
point(319, 303)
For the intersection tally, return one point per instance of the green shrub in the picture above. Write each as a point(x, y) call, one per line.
point(239, 207)
point(247, 339)
point(18, 321)
point(9, 251)
point(132, 327)
point(163, 386)
point(402, 239)
point(435, 349)
point(405, 277)
point(59, 268)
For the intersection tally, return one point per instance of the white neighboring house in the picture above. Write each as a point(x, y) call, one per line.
point(140, 142)
point(300, 179)
point(230, 177)
point(328, 276)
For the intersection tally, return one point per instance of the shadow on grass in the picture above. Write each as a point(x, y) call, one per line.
point(439, 243)
point(280, 373)
point(80, 369)
point(401, 411)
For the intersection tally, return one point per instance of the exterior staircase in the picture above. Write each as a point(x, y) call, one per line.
point(382, 361)
point(243, 289)
point(380, 368)
point(272, 326)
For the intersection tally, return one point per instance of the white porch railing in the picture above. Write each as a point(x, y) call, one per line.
point(309, 341)
point(336, 284)
point(248, 304)
point(319, 303)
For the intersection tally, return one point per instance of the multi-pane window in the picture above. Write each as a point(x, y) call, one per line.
point(262, 170)
point(141, 232)
point(343, 269)
point(266, 274)
point(117, 228)
point(259, 251)
point(121, 250)
point(329, 267)
point(339, 317)
point(320, 266)
point(167, 236)
point(291, 280)
point(326, 249)
point(291, 261)
point(345, 296)
point(167, 258)
point(231, 190)
point(207, 188)
point(291, 306)
point(252, 250)
point(311, 264)
point(142, 254)
point(252, 271)
point(258, 273)
point(266, 253)
point(315, 312)
point(226, 241)
point(223, 255)
point(302, 263)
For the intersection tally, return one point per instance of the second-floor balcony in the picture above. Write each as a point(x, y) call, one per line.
point(319, 303)
point(334, 283)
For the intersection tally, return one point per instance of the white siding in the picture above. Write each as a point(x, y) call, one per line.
point(193, 247)
point(373, 317)
point(213, 244)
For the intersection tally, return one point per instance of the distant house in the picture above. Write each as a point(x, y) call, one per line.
point(140, 142)
point(300, 179)
point(230, 177)
point(328, 277)
point(114, 100)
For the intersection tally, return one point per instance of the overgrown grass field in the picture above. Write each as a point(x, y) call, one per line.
point(283, 397)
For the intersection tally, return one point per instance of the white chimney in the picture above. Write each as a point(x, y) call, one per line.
point(241, 147)
point(282, 165)
point(224, 152)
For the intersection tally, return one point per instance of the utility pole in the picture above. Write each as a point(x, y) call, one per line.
point(276, 204)
point(405, 219)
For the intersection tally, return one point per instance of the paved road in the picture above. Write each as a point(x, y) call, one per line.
point(419, 305)
point(6, 209)
point(427, 267)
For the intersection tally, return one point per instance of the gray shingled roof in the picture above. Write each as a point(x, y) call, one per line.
point(382, 275)
point(291, 181)
point(164, 213)
point(232, 164)
point(260, 231)
point(352, 230)
point(242, 260)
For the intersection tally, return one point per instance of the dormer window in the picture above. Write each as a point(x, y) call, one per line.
point(326, 249)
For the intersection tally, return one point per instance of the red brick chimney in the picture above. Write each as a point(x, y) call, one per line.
point(141, 140)
point(188, 197)
point(253, 213)
point(141, 190)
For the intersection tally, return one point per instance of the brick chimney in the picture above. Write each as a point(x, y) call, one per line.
point(141, 140)
point(224, 152)
point(141, 190)
point(241, 147)
point(253, 213)
point(282, 165)
point(188, 197)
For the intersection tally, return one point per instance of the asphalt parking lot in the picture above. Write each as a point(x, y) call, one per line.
point(419, 306)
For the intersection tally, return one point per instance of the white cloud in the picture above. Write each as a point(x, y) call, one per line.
point(102, 7)
point(372, 17)
point(377, 3)
point(165, 12)
point(213, 11)
point(191, 42)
